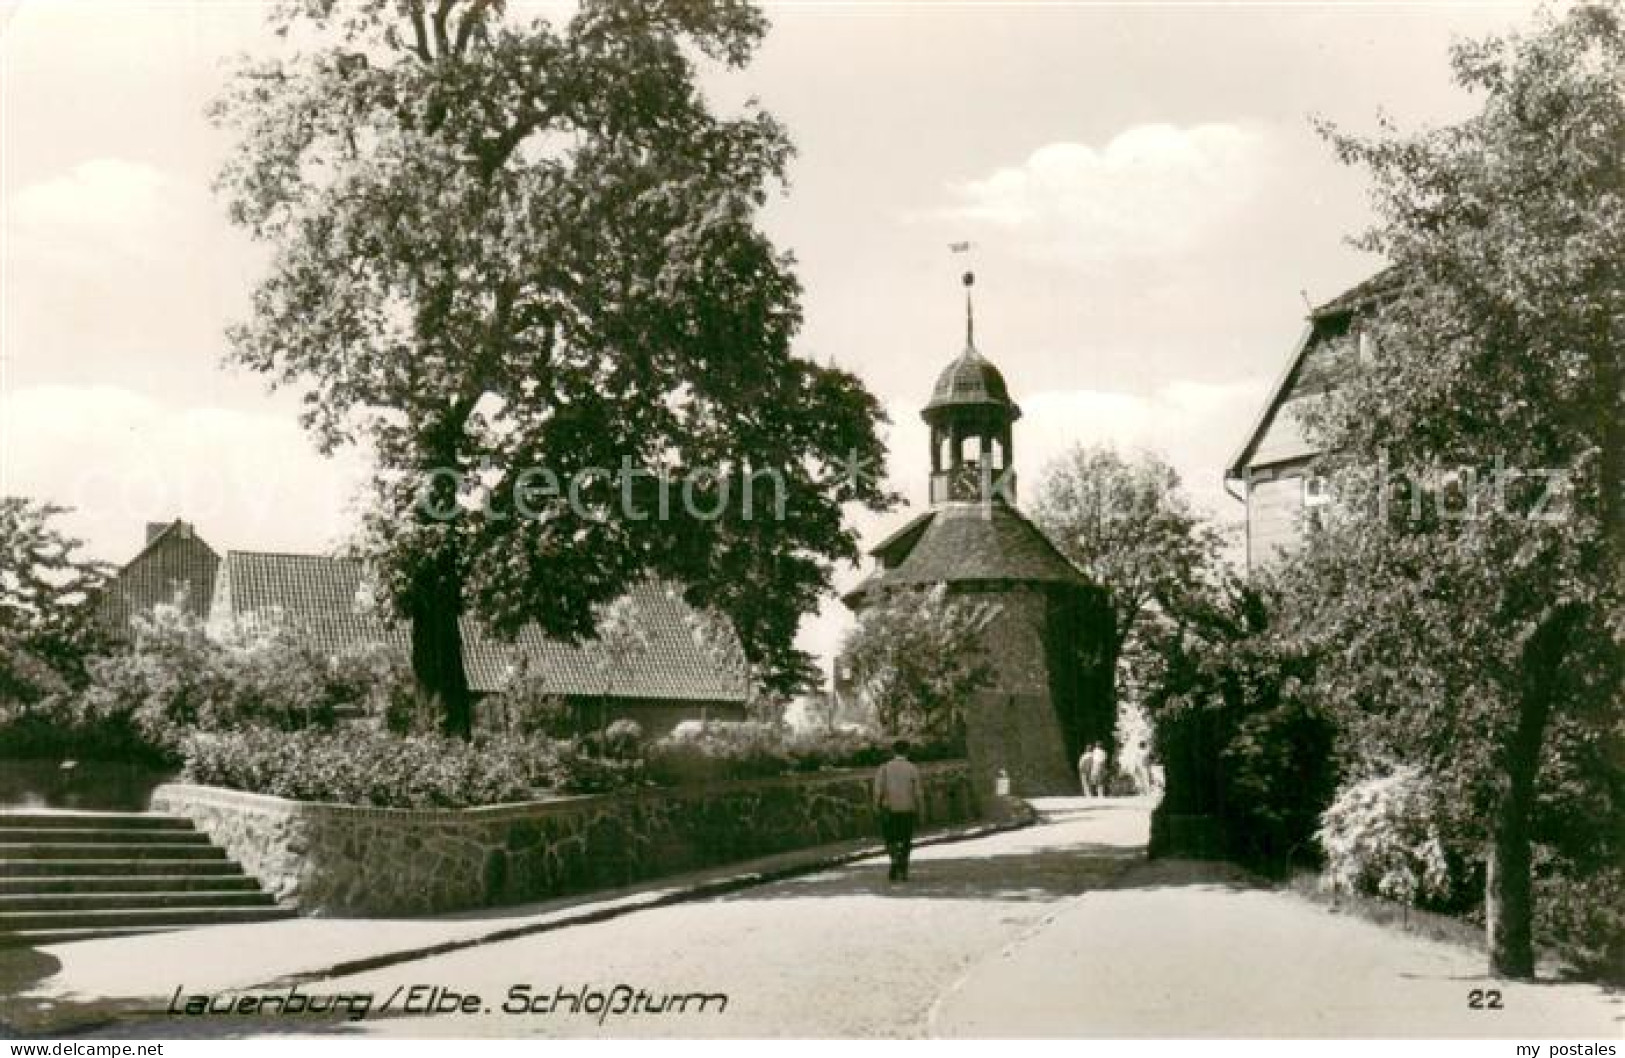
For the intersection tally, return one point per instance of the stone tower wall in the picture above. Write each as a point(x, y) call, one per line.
point(1013, 724)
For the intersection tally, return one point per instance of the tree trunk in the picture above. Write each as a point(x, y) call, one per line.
point(1509, 905)
point(1509, 902)
point(435, 596)
point(437, 658)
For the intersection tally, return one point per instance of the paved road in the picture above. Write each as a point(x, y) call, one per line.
point(1057, 930)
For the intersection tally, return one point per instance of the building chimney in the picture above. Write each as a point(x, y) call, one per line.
point(183, 530)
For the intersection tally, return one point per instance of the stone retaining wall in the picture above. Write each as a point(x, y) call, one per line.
point(347, 860)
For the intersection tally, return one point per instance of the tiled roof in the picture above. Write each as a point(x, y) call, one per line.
point(1379, 287)
point(1326, 322)
point(329, 601)
point(964, 542)
point(175, 561)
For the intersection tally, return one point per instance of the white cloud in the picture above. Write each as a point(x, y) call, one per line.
point(99, 206)
point(248, 480)
point(1152, 190)
point(103, 191)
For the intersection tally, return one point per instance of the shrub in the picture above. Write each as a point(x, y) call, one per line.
point(176, 680)
point(371, 766)
point(622, 739)
point(363, 767)
point(1379, 837)
point(1239, 728)
point(1583, 919)
point(573, 769)
point(374, 681)
point(717, 753)
point(57, 728)
point(525, 706)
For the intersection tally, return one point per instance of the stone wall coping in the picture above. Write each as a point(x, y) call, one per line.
point(169, 794)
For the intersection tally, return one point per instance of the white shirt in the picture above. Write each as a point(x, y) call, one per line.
point(897, 786)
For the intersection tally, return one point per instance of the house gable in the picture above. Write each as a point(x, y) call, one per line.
point(176, 565)
point(1275, 460)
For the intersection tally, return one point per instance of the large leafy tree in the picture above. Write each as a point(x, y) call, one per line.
point(916, 656)
point(1126, 522)
point(1246, 744)
point(48, 595)
point(527, 254)
point(1467, 592)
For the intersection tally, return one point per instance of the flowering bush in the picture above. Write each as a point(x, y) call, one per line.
point(369, 766)
point(374, 681)
point(574, 768)
point(1379, 837)
point(525, 706)
point(622, 739)
point(362, 767)
point(753, 751)
point(175, 680)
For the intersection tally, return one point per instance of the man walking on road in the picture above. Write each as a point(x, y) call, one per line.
point(1092, 771)
point(899, 798)
point(1097, 769)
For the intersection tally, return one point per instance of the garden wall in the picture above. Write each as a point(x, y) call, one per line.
point(341, 859)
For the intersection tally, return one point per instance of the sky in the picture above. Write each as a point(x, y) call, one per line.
point(1149, 206)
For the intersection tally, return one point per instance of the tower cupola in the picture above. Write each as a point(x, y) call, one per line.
point(970, 414)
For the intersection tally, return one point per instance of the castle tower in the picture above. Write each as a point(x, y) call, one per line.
point(1046, 700)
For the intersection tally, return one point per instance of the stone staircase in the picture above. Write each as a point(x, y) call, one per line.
point(76, 875)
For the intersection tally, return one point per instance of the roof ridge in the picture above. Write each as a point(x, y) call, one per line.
point(293, 554)
point(170, 528)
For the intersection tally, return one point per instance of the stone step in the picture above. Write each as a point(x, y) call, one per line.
point(215, 880)
point(68, 876)
point(24, 921)
point(34, 938)
point(120, 866)
point(99, 820)
point(15, 835)
point(106, 850)
point(118, 901)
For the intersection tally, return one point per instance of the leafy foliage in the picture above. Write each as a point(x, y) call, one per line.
point(916, 656)
point(362, 767)
point(1380, 836)
point(755, 751)
point(175, 680)
point(526, 706)
point(1582, 916)
point(507, 247)
point(745, 751)
point(1238, 725)
point(369, 766)
point(1459, 611)
point(47, 603)
point(1126, 522)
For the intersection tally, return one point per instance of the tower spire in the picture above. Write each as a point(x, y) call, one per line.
point(970, 313)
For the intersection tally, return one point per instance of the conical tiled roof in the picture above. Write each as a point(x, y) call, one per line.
point(968, 542)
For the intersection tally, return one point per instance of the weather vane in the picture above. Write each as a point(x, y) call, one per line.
point(969, 280)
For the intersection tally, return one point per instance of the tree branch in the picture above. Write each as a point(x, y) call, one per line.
point(472, 20)
point(421, 31)
point(442, 39)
